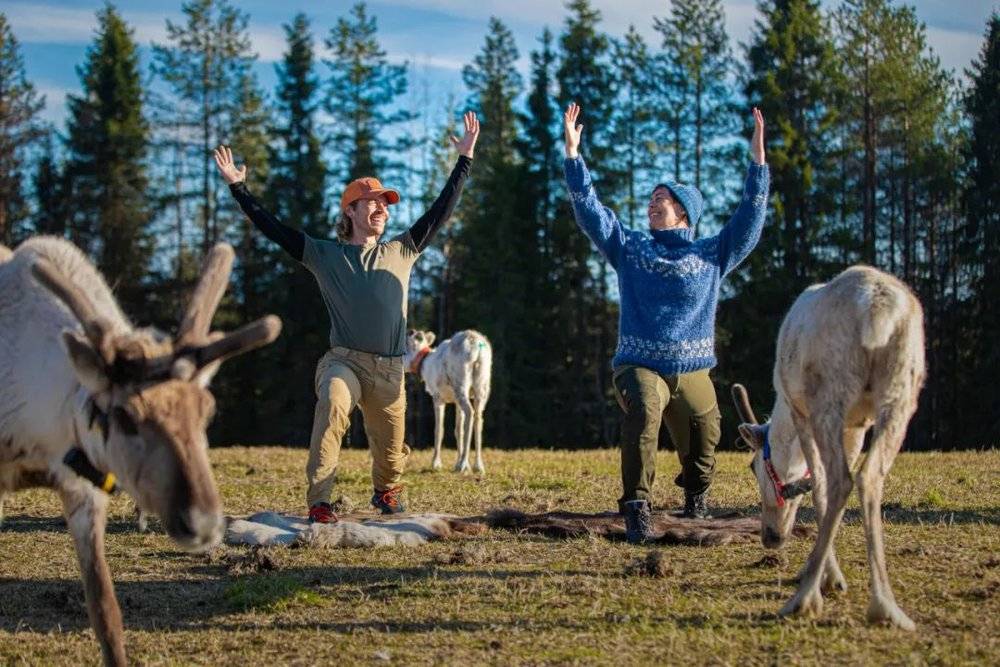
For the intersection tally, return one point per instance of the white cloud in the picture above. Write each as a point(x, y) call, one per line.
point(60, 25)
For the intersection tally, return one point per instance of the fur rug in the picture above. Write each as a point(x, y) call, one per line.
point(354, 530)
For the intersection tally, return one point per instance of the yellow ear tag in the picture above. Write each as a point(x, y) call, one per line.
point(109, 483)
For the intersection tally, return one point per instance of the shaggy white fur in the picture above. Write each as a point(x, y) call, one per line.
point(271, 528)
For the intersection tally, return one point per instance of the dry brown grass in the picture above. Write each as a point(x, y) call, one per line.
point(503, 598)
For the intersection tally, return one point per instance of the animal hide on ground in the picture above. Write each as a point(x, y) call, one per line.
point(271, 528)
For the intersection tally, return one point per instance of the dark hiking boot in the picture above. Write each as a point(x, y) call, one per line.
point(638, 521)
point(696, 505)
point(389, 501)
point(322, 513)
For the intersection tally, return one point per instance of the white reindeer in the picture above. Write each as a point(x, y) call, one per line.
point(458, 372)
point(850, 357)
point(84, 396)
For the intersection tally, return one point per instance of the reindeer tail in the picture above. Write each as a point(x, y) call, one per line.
point(481, 353)
point(884, 309)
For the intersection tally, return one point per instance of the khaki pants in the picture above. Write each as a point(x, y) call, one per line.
point(345, 379)
point(688, 405)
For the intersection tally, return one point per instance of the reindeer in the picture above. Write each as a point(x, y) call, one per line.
point(850, 357)
point(458, 372)
point(89, 401)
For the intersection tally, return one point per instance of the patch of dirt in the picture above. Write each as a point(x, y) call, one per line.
point(655, 564)
point(992, 561)
point(915, 550)
point(771, 559)
point(245, 561)
point(470, 555)
point(982, 593)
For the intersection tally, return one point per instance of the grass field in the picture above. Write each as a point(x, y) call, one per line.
point(509, 599)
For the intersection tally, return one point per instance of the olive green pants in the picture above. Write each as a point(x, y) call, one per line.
point(688, 405)
point(344, 379)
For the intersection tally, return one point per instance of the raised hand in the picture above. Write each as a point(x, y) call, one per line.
point(467, 143)
point(757, 141)
point(224, 160)
point(572, 130)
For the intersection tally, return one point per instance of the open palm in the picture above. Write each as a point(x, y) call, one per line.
point(224, 161)
point(467, 144)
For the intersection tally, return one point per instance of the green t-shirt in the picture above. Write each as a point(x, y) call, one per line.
point(365, 289)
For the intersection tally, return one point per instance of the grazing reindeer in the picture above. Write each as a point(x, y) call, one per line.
point(850, 357)
point(84, 396)
point(458, 372)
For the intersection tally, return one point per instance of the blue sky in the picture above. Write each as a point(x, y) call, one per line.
point(436, 36)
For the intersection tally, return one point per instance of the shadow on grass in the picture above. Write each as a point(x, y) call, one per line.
point(891, 513)
point(57, 524)
point(44, 605)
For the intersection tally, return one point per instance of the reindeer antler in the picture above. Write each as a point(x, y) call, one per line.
point(95, 327)
point(742, 402)
point(257, 333)
point(205, 300)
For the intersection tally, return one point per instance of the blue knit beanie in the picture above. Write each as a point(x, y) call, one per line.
point(689, 198)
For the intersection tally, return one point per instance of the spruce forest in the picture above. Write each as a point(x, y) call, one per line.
point(878, 155)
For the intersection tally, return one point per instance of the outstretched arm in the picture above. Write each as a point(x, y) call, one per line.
point(742, 232)
point(597, 221)
point(290, 239)
point(423, 230)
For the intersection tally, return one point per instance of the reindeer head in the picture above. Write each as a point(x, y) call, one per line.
point(416, 343)
point(780, 493)
point(150, 401)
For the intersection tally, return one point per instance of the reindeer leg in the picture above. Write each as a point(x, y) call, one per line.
point(465, 410)
point(438, 432)
point(86, 517)
point(833, 580)
point(887, 438)
point(462, 463)
point(828, 428)
point(478, 419)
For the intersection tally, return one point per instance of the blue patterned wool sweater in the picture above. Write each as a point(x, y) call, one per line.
point(668, 282)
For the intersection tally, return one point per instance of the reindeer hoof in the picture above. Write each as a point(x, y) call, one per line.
point(803, 604)
point(436, 465)
point(889, 613)
point(833, 583)
point(480, 468)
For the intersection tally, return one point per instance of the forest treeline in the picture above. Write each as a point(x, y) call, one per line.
point(878, 154)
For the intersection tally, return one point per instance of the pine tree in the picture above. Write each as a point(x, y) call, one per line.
point(20, 105)
point(982, 205)
point(296, 193)
point(496, 251)
point(361, 91)
point(634, 125)
point(792, 78)
point(586, 339)
point(50, 186)
point(205, 64)
point(698, 100)
point(107, 145)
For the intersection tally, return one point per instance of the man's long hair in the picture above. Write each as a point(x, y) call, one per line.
point(344, 227)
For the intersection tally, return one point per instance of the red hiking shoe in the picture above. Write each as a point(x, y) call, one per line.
point(389, 501)
point(322, 513)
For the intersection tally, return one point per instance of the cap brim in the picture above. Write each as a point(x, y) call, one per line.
point(390, 195)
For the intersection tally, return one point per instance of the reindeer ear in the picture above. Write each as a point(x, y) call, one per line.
point(429, 337)
point(753, 435)
point(87, 363)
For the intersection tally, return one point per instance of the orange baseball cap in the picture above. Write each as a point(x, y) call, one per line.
point(366, 188)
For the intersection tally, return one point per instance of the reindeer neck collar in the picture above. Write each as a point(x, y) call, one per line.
point(783, 490)
point(418, 360)
point(78, 461)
